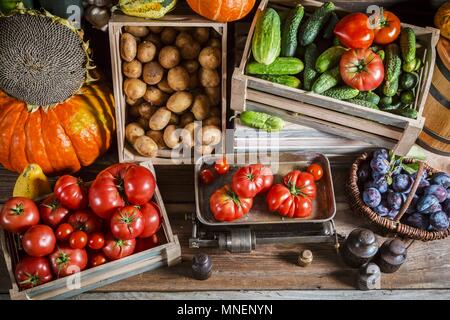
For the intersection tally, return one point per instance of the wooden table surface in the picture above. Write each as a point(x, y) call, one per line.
point(269, 267)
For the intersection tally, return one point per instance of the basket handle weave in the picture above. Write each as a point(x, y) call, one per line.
point(411, 193)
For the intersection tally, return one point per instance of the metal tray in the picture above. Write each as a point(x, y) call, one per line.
point(324, 206)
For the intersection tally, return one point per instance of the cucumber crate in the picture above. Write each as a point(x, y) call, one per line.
point(180, 21)
point(168, 253)
point(327, 114)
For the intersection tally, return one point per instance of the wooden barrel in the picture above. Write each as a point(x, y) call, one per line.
point(435, 136)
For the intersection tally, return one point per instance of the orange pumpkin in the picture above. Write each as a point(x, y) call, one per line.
point(60, 139)
point(222, 10)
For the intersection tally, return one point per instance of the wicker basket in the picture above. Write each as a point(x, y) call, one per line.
point(384, 224)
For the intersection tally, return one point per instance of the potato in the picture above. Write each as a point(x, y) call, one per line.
point(133, 131)
point(208, 77)
point(183, 29)
point(155, 96)
point(164, 86)
point(128, 47)
point(190, 65)
point(210, 58)
point(155, 39)
point(211, 135)
point(133, 111)
point(168, 35)
point(137, 31)
point(146, 51)
point(160, 119)
point(158, 137)
point(132, 69)
point(213, 94)
point(193, 81)
point(201, 34)
point(145, 146)
point(215, 112)
point(172, 136)
point(146, 110)
point(132, 102)
point(169, 57)
point(200, 107)
point(180, 101)
point(152, 73)
point(178, 78)
point(156, 29)
point(134, 88)
point(188, 134)
point(186, 118)
point(215, 43)
point(174, 118)
point(213, 121)
point(183, 39)
point(190, 50)
point(204, 150)
point(143, 123)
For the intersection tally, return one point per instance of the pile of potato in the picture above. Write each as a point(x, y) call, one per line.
point(172, 78)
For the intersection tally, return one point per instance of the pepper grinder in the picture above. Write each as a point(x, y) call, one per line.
point(391, 256)
point(359, 248)
point(201, 266)
point(369, 277)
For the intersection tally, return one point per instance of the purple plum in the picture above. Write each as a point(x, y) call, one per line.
point(439, 221)
point(436, 190)
point(372, 197)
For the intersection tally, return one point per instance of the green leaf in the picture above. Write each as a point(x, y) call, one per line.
point(389, 179)
point(417, 152)
point(410, 168)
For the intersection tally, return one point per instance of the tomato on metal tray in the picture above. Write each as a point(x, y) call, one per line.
point(266, 174)
point(353, 31)
point(316, 170)
point(389, 28)
point(39, 241)
point(248, 181)
point(115, 249)
point(33, 271)
point(66, 261)
point(127, 223)
point(152, 219)
point(226, 205)
point(71, 192)
point(52, 212)
point(206, 176)
point(221, 166)
point(19, 214)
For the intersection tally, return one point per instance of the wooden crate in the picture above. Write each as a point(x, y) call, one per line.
point(331, 115)
point(116, 24)
point(166, 254)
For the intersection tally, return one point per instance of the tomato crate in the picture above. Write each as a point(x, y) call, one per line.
point(181, 21)
point(330, 115)
point(168, 253)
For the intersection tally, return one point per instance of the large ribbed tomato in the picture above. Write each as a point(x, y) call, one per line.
point(61, 139)
point(227, 205)
point(224, 10)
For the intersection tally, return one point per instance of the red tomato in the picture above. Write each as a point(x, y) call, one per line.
point(78, 240)
point(353, 31)
point(288, 203)
point(96, 241)
point(63, 232)
point(66, 261)
point(389, 28)
point(71, 192)
point(361, 69)
point(39, 241)
point(52, 212)
point(127, 223)
point(301, 183)
point(143, 244)
point(152, 220)
point(247, 182)
point(206, 176)
point(115, 249)
point(316, 170)
point(32, 271)
point(119, 184)
point(85, 220)
point(97, 259)
point(19, 214)
point(221, 166)
point(227, 205)
point(266, 174)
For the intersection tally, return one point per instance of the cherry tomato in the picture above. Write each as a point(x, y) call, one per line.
point(52, 212)
point(66, 261)
point(33, 271)
point(78, 240)
point(71, 193)
point(39, 241)
point(97, 259)
point(85, 220)
point(353, 31)
point(316, 170)
point(389, 28)
point(127, 223)
point(143, 244)
point(221, 166)
point(63, 232)
point(115, 249)
point(206, 176)
point(247, 182)
point(152, 220)
point(19, 214)
point(96, 241)
point(227, 205)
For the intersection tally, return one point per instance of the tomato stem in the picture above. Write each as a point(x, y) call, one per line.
point(18, 209)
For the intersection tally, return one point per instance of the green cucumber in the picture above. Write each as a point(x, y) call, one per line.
point(329, 58)
point(261, 120)
point(392, 63)
point(369, 96)
point(290, 30)
point(311, 28)
point(409, 80)
point(385, 102)
point(407, 97)
point(289, 81)
point(405, 112)
point(408, 44)
point(390, 103)
point(390, 88)
point(363, 103)
point(341, 93)
point(418, 64)
point(329, 28)
point(266, 42)
point(310, 73)
point(281, 66)
point(327, 80)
